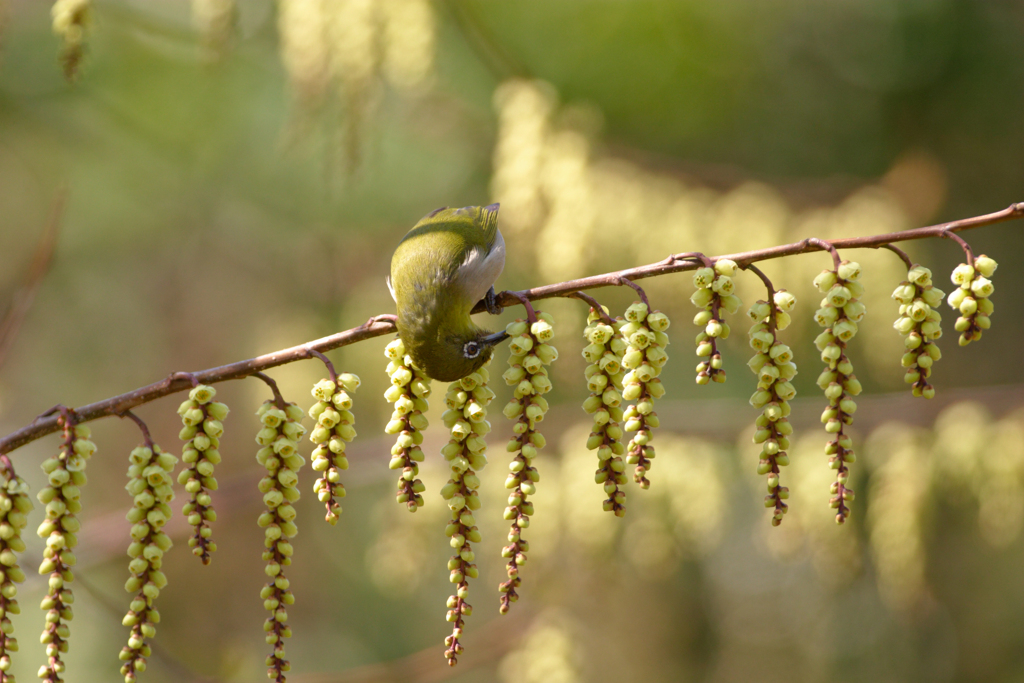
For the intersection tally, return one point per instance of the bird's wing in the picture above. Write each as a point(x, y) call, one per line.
point(482, 222)
point(458, 251)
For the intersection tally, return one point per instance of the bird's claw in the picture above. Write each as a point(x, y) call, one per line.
point(491, 302)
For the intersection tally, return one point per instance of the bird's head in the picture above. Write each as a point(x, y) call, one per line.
point(453, 353)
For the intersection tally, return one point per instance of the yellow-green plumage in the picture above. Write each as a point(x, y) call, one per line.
point(440, 270)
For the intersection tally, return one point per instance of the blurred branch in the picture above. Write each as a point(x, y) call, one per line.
point(482, 41)
point(491, 641)
point(23, 297)
point(171, 663)
point(385, 324)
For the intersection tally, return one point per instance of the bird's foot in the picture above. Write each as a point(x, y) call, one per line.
point(491, 302)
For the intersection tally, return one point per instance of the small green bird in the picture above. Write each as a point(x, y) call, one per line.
point(442, 267)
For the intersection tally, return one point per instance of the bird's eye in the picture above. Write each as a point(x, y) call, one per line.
point(471, 349)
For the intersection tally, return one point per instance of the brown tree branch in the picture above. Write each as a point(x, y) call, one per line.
point(384, 324)
point(43, 425)
point(675, 264)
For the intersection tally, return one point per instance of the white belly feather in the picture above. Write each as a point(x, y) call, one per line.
point(480, 269)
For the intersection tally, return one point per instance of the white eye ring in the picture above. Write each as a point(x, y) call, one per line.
point(471, 349)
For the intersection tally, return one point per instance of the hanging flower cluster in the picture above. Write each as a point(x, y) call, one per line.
point(203, 419)
point(215, 21)
point(530, 352)
point(149, 484)
point(15, 504)
point(466, 417)
point(278, 454)
point(773, 364)
point(839, 314)
point(71, 21)
point(604, 379)
point(971, 298)
point(644, 358)
point(714, 294)
point(65, 476)
point(408, 391)
point(920, 323)
point(334, 428)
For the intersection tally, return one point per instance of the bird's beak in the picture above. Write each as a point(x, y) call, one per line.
point(496, 338)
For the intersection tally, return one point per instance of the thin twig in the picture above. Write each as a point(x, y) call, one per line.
point(5, 461)
point(764, 278)
point(826, 246)
point(625, 281)
point(963, 245)
point(692, 256)
point(773, 316)
point(278, 398)
point(594, 305)
point(184, 375)
point(313, 353)
point(385, 324)
point(899, 252)
point(142, 426)
point(531, 315)
point(67, 417)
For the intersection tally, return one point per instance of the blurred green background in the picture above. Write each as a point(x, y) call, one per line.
point(237, 177)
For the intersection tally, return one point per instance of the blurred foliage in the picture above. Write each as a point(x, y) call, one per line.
point(238, 173)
